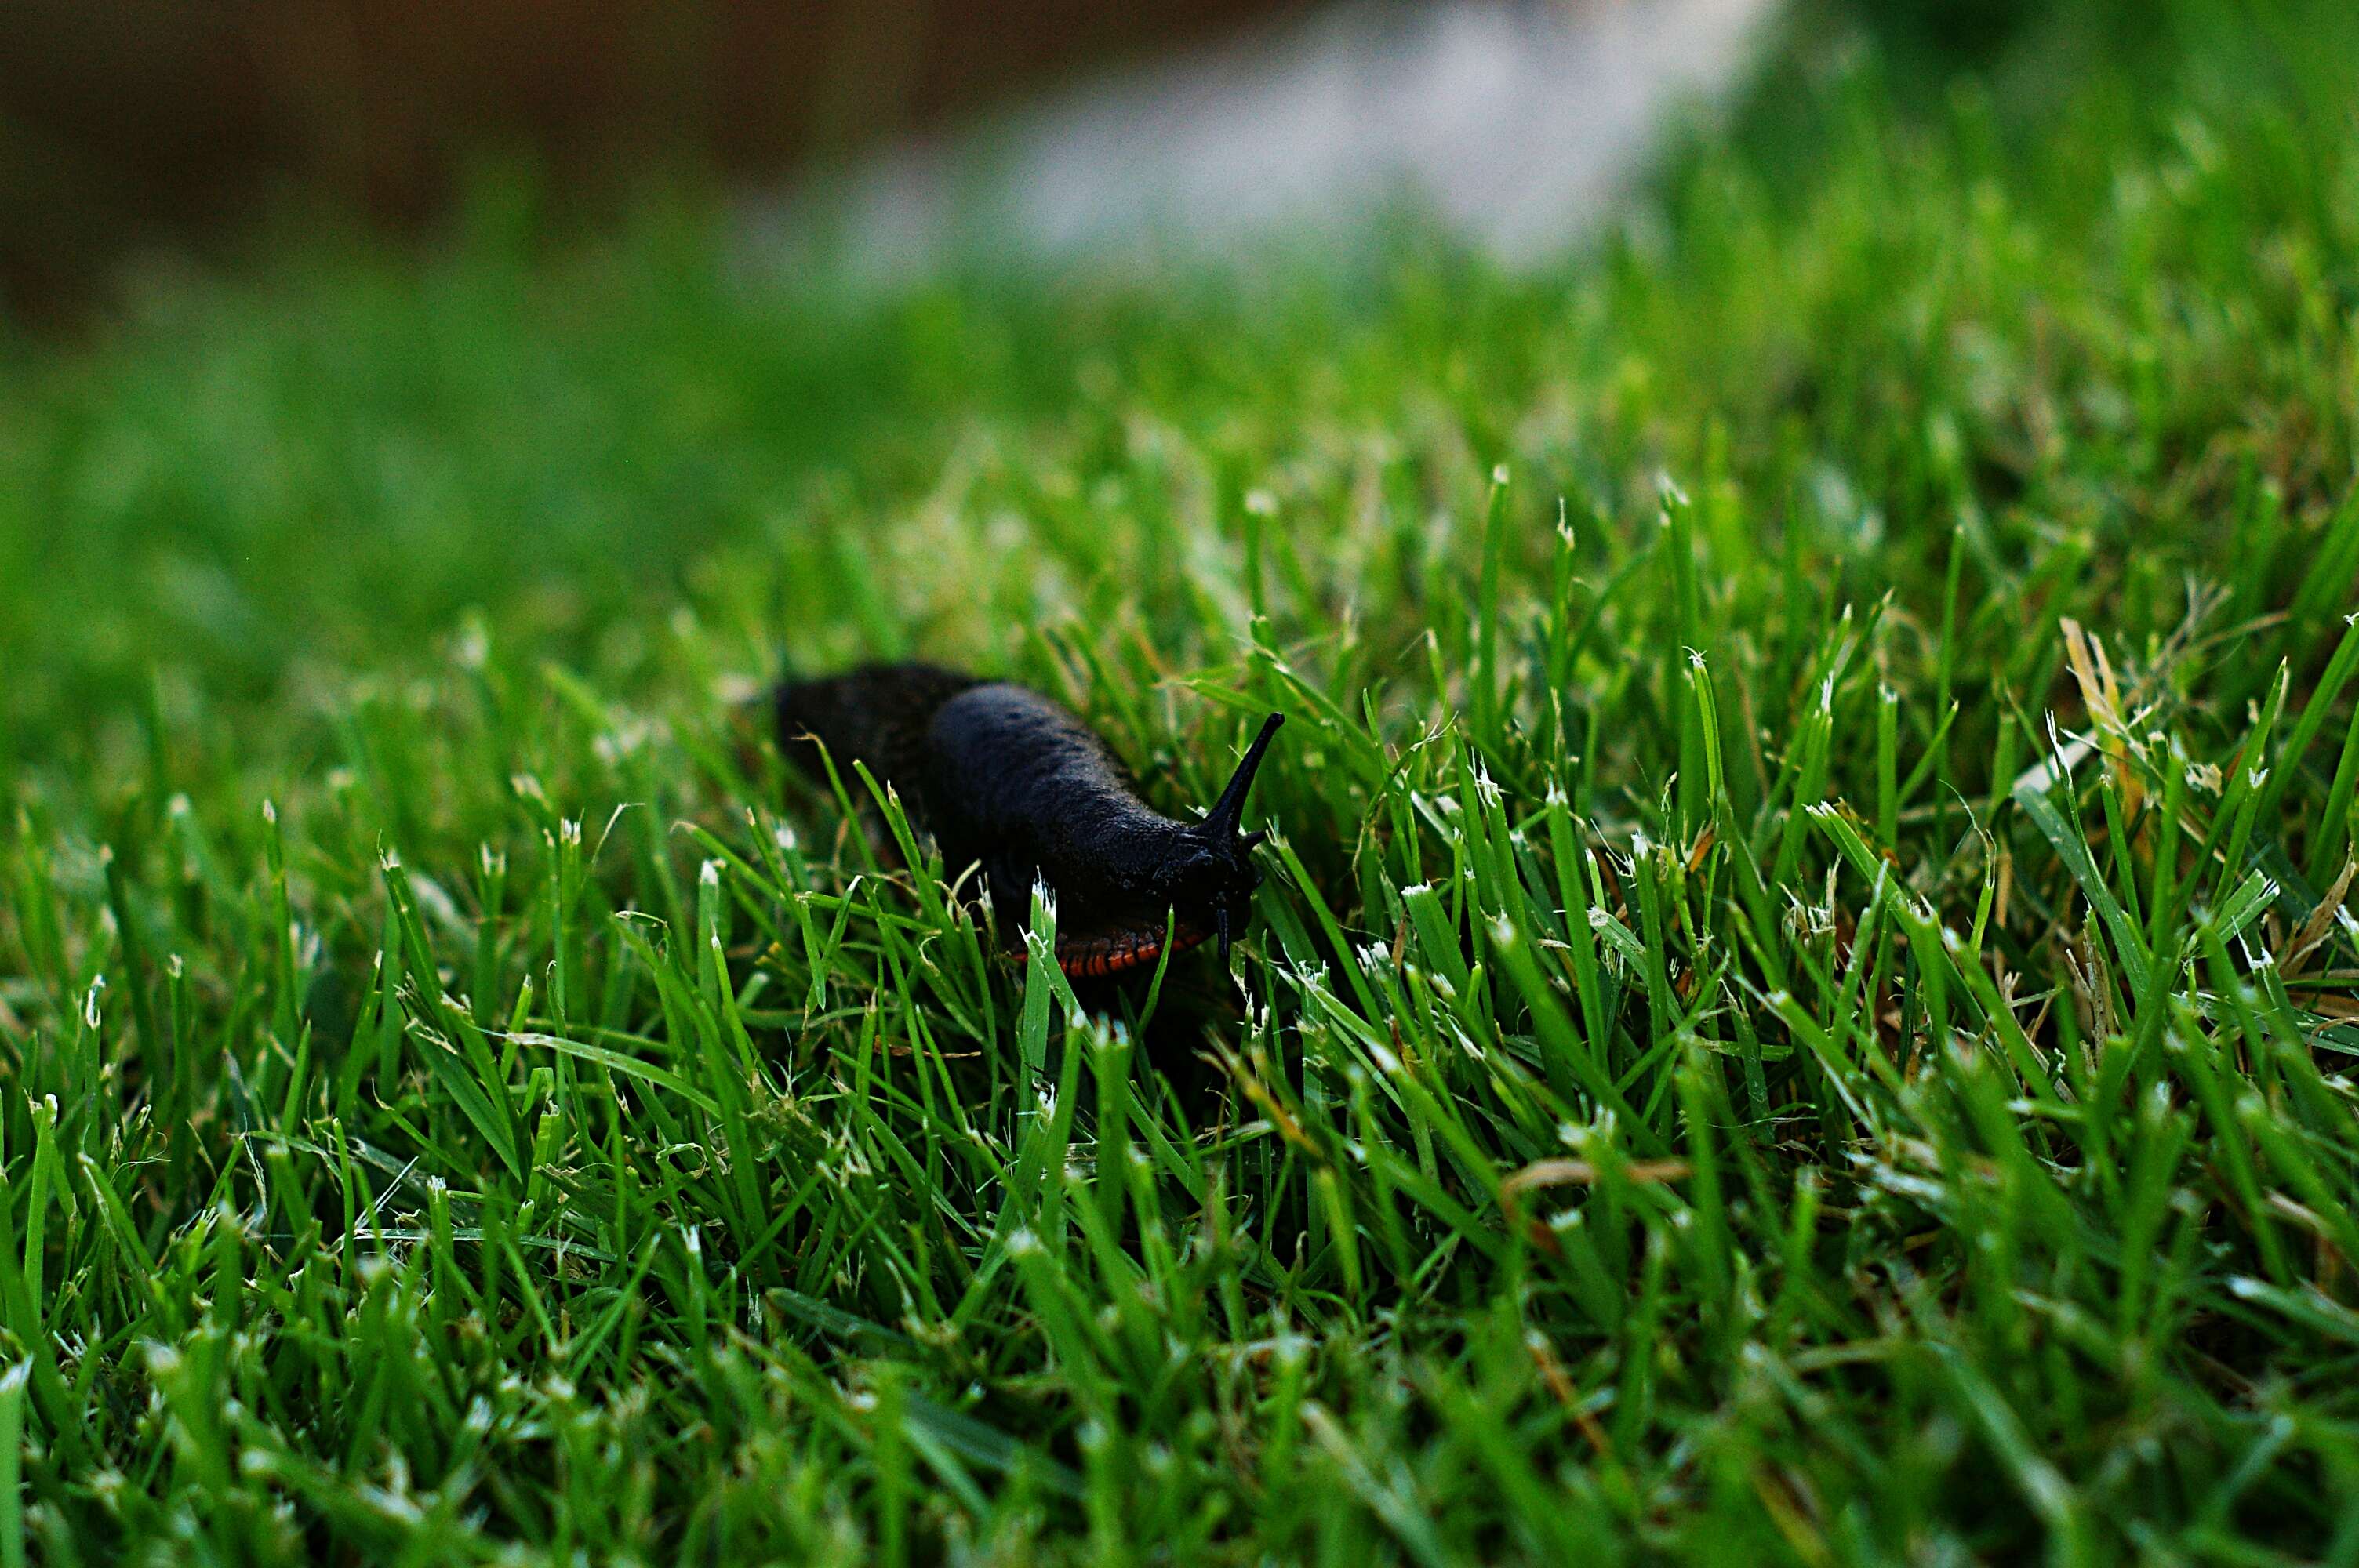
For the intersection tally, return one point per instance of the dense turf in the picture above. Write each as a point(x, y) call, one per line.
point(1795, 1018)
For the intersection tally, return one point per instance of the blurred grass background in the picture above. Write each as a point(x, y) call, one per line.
point(366, 431)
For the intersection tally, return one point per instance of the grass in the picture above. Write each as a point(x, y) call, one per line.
point(1803, 1011)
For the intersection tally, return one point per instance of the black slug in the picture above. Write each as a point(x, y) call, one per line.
point(1009, 780)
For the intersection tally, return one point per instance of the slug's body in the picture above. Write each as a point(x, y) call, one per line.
point(1005, 779)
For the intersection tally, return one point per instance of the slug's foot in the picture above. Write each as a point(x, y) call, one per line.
point(1101, 956)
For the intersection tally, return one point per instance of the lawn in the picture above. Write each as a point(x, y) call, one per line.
point(1801, 1010)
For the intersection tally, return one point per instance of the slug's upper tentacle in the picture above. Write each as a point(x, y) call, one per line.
point(1230, 809)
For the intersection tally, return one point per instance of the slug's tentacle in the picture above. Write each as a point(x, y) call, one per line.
point(1007, 779)
point(1230, 809)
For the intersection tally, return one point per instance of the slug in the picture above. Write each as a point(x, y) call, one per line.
point(1005, 778)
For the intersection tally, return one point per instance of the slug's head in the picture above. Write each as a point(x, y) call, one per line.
point(1203, 875)
point(1220, 876)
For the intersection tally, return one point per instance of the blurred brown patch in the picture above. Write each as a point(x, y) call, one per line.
point(141, 123)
